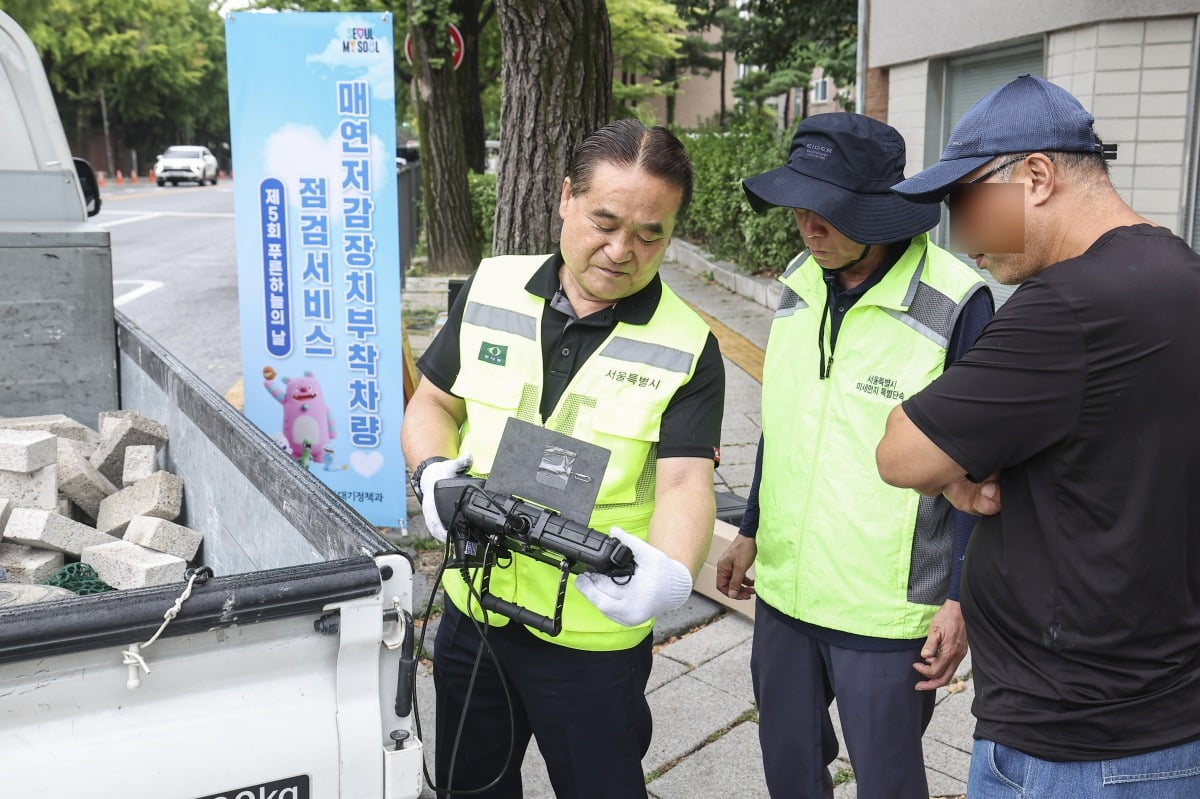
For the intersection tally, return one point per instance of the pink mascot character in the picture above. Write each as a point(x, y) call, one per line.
point(306, 417)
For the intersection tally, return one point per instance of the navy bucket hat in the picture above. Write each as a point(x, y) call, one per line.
point(842, 167)
point(1024, 115)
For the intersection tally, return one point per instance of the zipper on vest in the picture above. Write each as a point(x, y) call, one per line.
point(824, 367)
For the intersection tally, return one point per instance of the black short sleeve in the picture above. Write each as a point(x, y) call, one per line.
point(1018, 391)
point(691, 425)
point(440, 363)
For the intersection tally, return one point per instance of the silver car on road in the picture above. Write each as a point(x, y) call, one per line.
point(186, 162)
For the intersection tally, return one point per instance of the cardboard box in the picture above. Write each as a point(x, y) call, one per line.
point(706, 583)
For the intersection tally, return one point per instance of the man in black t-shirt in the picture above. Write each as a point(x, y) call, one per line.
point(1071, 428)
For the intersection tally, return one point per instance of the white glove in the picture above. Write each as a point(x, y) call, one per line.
point(442, 470)
point(658, 584)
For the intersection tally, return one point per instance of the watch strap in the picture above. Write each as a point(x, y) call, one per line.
point(415, 480)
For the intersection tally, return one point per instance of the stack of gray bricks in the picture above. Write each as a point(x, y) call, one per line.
point(70, 493)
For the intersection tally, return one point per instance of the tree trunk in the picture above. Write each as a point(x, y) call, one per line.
point(671, 75)
point(450, 227)
point(557, 78)
point(724, 57)
point(470, 88)
point(108, 148)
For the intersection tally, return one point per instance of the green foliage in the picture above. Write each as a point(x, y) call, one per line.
point(720, 218)
point(483, 207)
point(155, 67)
point(642, 31)
point(755, 88)
point(646, 40)
point(788, 38)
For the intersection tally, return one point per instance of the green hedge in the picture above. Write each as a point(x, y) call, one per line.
point(720, 218)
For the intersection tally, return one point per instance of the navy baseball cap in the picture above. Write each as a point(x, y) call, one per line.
point(1025, 115)
point(842, 166)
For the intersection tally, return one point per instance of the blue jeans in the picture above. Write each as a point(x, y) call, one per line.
point(1000, 772)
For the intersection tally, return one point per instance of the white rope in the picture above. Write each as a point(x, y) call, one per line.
point(132, 657)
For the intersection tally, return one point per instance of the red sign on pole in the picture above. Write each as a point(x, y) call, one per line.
point(456, 41)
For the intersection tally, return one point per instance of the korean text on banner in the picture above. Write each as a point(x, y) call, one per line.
point(312, 115)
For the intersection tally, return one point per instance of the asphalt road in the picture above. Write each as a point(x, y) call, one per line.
point(175, 271)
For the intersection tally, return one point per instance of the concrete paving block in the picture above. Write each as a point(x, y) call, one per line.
point(952, 723)
point(26, 451)
point(159, 495)
point(81, 482)
point(163, 536)
point(6, 506)
point(835, 717)
point(708, 772)
point(946, 768)
point(29, 564)
point(38, 489)
point(122, 432)
point(729, 672)
point(535, 780)
point(81, 448)
point(686, 712)
point(122, 564)
point(662, 671)
point(697, 611)
point(48, 530)
point(106, 420)
point(141, 461)
point(712, 641)
point(58, 424)
point(964, 668)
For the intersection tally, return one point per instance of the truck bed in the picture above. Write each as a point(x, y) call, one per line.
point(279, 672)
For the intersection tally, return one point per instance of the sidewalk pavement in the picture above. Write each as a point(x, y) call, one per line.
point(705, 742)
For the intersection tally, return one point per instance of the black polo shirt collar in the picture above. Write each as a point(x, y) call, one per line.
point(636, 309)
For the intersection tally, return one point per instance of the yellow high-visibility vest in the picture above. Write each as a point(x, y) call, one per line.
point(838, 547)
point(616, 401)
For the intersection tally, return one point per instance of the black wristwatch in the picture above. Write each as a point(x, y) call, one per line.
point(415, 480)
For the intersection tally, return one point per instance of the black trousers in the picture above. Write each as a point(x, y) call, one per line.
point(883, 717)
point(587, 710)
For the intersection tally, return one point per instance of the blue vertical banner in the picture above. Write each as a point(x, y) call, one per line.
point(313, 120)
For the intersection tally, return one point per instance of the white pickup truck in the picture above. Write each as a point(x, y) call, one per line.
point(287, 674)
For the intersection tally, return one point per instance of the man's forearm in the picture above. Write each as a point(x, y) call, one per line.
point(906, 458)
point(685, 510)
point(430, 427)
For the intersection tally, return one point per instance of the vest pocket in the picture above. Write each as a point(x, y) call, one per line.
point(491, 400)
point(627, 432)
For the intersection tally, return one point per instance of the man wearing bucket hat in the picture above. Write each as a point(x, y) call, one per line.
point(1076, 414)
point(854, 579)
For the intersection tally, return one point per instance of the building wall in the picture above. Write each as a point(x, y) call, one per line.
point(875, 104)
point(1135, 77)
point(901, 31)
point(699, 97)
point(908, 95)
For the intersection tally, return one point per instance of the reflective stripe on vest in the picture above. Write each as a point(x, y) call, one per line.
point(837, 547)
point(616, 400)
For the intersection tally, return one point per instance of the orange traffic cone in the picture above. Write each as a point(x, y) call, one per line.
point(133, 178)
point(150, 176)
point(100, 177)
point(120, 178)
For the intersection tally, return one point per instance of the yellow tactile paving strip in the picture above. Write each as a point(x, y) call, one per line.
point(736, 347)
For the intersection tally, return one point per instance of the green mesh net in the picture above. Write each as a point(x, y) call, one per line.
point(78, 577)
